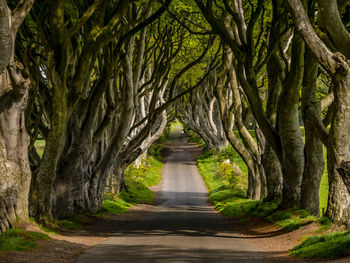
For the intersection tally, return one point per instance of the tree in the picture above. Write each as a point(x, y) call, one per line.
point(71, 39)
point(281, 57)
point(336, 64)
point(14, 85)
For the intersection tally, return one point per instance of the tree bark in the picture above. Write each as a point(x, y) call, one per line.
point(338, 151)
point(5, 36)
point(15, 172)
point(289, 130)
point(338, 138)
point(276, 75)
point(314, 162)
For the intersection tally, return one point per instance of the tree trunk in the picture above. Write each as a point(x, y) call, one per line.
point(314, 162)
point(15, 172)
point(289, 130)
point(5, 36)
point(337, 140)
point(274, 179)
point(41, 192)
point(261, 145)
point(275, 68)
point(338, 151)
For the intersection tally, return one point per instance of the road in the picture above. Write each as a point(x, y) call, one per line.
point(182, 227)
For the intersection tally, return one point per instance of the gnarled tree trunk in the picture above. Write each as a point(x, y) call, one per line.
point(15, 174)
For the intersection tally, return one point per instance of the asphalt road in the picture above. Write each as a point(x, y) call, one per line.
point(182, 227)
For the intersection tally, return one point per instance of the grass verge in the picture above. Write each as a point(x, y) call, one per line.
point(332, 245)
point(17, 239)
point(234, 203)
point(138, 181)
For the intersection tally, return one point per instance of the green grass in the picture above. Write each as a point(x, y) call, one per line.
point(116, 206)
point(235, 204)
point(17, 239)
point(138, 182)
point(326, 246)
point(71, 223)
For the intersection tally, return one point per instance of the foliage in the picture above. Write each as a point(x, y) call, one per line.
point(230, 172)
point(17, 239)
point(194, 138)
point(40, 146)
point(325, 246)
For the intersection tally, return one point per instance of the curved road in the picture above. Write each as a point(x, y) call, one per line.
point(182, 227)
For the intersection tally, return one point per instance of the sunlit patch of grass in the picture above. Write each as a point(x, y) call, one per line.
point(17, 239)
point(326, 246)
point(232, 203)
point(118, 206)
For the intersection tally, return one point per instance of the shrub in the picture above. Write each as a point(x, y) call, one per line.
point(229, 172)
point(135, 173)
